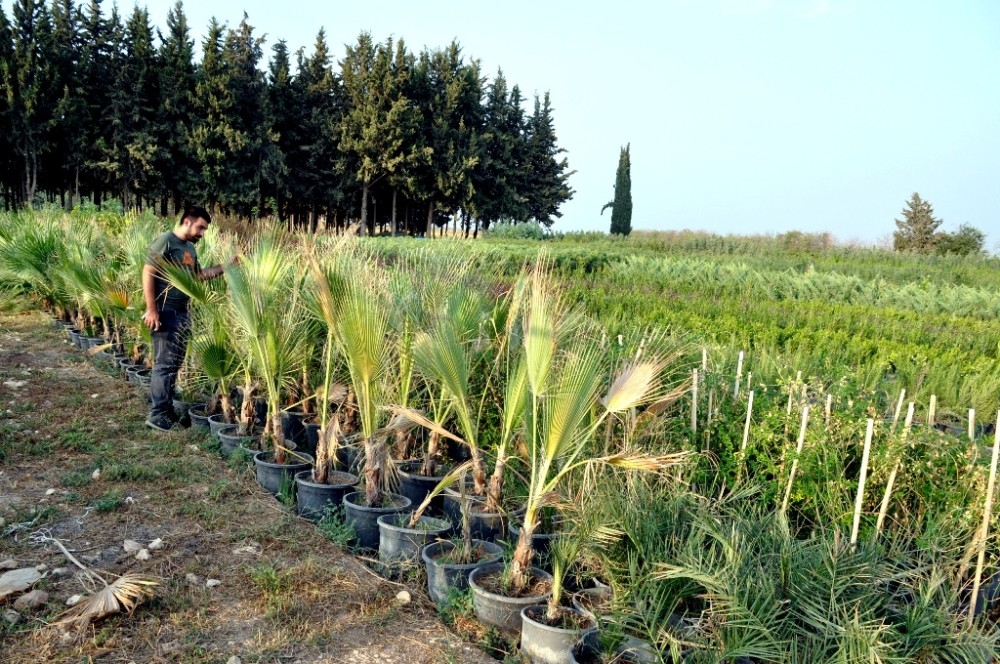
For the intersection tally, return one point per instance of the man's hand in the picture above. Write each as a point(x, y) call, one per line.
point(152, 319)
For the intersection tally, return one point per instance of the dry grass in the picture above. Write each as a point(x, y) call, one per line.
point(287, 594)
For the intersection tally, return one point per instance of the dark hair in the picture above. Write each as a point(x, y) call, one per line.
point(195, 212)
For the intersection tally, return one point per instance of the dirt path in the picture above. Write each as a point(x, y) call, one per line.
point(287, 594)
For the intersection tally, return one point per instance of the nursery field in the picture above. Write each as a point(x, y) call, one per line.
point(706, 449)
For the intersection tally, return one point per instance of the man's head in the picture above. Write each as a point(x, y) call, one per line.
point(194, 222)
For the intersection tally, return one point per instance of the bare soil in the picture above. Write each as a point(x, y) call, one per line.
point(287, 594)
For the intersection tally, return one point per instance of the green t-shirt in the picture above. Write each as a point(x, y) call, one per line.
point(169, 247)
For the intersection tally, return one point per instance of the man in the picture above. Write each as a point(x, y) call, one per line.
point(167, 309)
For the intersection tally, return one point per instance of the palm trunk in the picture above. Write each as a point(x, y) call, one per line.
point(228, 410)
point(373, 473)
point(430, 465)
point(495, 489)
point(523, 553)
point(326, 449)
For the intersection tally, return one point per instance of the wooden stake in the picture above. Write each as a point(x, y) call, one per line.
point(739, 375)
point(932, 410)
point(899, 408)
point(984, 530)
point(892, 476)
point(746, 426)
point(861, 482)
point(795, 461)
point(829, 408)
point(972, 424)
point(704, 360)
point(694, 403)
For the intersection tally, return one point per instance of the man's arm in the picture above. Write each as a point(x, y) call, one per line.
point(152, 316)
point(211, 272)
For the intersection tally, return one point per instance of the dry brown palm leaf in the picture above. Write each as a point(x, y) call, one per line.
point(122, 595)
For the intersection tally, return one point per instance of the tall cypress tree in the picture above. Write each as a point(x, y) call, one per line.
point(98, 48)
point(279, 111)
point(499, 174)
point(621, 206)
point(177, 77)
point(8, 177)
point(210, 137)
point(547, 175)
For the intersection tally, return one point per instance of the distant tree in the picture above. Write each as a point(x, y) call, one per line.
point(500, 171)
point(917, 230)
point(8, 171)
point(547, 174)
point(175, 60)
point(621, 206)
point(967, 240)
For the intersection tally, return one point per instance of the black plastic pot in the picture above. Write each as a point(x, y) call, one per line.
point(311, 437)
point(487, 526)
point(399, 543)
point(313, 498)
point(546, 644)
point(416, 487)
point(442, 577)
point(130, 373)
point(293, 426)
point(540, 542)
point(217, 423)
point(230, 440)
point(93, 342)
point(270, 475)
point(593, 602)
point(365, 519)
point(499, 610)
point(75, 337)
point(199, 416)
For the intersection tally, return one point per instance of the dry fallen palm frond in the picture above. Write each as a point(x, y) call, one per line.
point(123, 594)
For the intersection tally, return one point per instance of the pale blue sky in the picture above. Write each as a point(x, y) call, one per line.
point(744, 116)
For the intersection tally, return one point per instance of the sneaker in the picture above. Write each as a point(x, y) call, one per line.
point(159, 422)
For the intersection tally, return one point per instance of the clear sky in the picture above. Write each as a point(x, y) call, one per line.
point(744, 116)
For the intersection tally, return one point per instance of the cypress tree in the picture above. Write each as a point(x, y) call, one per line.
point(177, 79)
point(621, 206)
point(547, 175)
point(8, 175)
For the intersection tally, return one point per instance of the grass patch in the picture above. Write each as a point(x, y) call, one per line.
point(108, 502)
point(77, 440)
point(77, 478)
point(129, 472)
point(335, 527)
point(208, 514)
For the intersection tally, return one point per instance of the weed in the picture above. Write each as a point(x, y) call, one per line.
point(108, 501)
point(240, 459)
point(335, 527)
point(77, 439)
point(223, 489)
point(286, 490)
point(457, 603)
point(129, 472)
point(76, 478)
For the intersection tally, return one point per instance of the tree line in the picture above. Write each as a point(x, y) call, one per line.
point(98, 106)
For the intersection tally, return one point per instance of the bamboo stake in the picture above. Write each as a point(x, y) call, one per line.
point(892, 476)
point(739, 375)
point(704, 360)
point(984, 530)
point(932, 410)
point(899, 408)
point(746, 426)
point(829, 408)
point(972, 424)
point(861, 482)
point(795, 461)
point(694, 403)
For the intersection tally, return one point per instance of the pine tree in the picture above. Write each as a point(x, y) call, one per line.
point(177, 80)
point(916, 231)
point(547, 175)
point(621, 206)
point(8, 176)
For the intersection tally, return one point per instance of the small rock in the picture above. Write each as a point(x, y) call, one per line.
point(74, 600)
point(234, 660)
point(17, 580)
point(15, 384)
point(193, 448)
point(193, 579)
point(12, 617)
point(32, 600)
point(211, 583)
point(155, 544)
point(49, 492)
point(94, 396)
point(10, 563)
point(41, 567)
point(96, 475)
point(129, 500)
point(143, 555)
point(131, 546)
point(251, 550)
point(403, 597)
point(60, 572)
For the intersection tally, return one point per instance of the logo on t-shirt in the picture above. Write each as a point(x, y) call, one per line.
point(188, 259)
